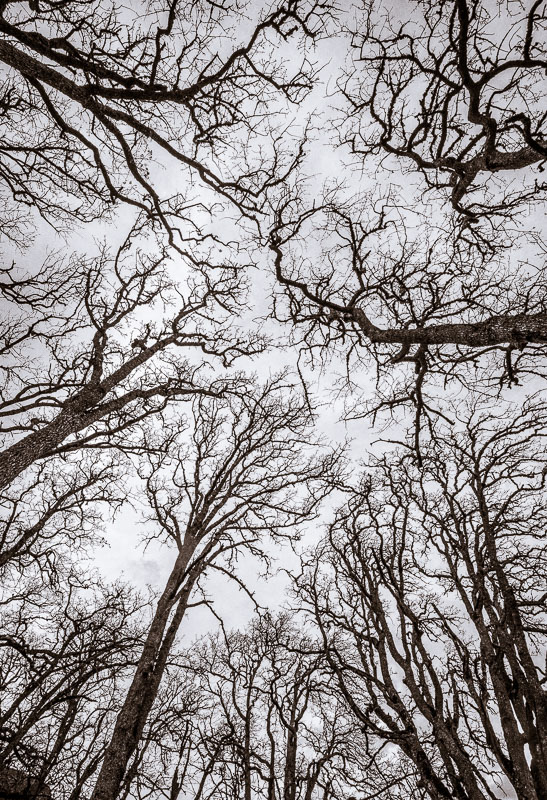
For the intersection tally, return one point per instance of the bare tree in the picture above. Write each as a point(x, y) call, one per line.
point(426, 677)
point(108, 89)
point(430, 299)
point(93, 347)
point(359, 278)
point(274, 729)
point(433, 608)
point(244, 476)
point(59, 511)
point(454, 89)
point(162, 765)
point(65, 653)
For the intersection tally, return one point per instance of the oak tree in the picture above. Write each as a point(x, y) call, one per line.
point(429, 593)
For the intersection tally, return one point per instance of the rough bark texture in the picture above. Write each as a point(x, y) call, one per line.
point(85, 408)
point(514, 330)
point(144, 687)
point(289, 789)
point(17, 785)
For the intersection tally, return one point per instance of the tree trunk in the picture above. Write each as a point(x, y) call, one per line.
point(17, 458)
point(87, 406)
point(144, 687)
point(289, 786)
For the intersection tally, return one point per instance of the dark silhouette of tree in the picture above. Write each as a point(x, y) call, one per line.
point(106, 91)
point(430, 596)
point(454, 90)
point(422, 674)
point(162, 764)
point(245, 476)
point(58, 511)
point(66, 650)
point(15, 784)
point(424, 311)
point(274, 728)
point(92, 347)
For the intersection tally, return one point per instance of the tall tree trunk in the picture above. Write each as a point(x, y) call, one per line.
point(144, 687)
point(289, 785)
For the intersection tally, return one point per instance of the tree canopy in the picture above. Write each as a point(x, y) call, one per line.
point(275, 318)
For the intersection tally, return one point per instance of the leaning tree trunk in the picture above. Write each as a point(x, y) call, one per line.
point(146, 681)
point(85, 408)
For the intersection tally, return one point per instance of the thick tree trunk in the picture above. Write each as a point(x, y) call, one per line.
point(44, 442)
point(86, 407)
point(38, 444)
point(146, 681)
point(289, 787)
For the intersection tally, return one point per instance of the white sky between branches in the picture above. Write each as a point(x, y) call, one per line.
point(124, 557)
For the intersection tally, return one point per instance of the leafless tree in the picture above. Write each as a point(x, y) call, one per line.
point(106, 91)
point(428, 297)
point(67, 651)
point(92, 347)
point(65, 654)
point(454, 89)
point(430, 596)
point(423, 293)
point(425, 675)
point(244, 476)
point(274, 729)
point(424, 313)
point(59, 512)
point(162, 765)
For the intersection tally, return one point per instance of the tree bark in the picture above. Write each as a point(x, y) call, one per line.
point(85, 408)
point(145, 684)
point(289, 788)
point(516, 330)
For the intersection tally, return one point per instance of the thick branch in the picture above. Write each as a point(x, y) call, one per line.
point(514, 330)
